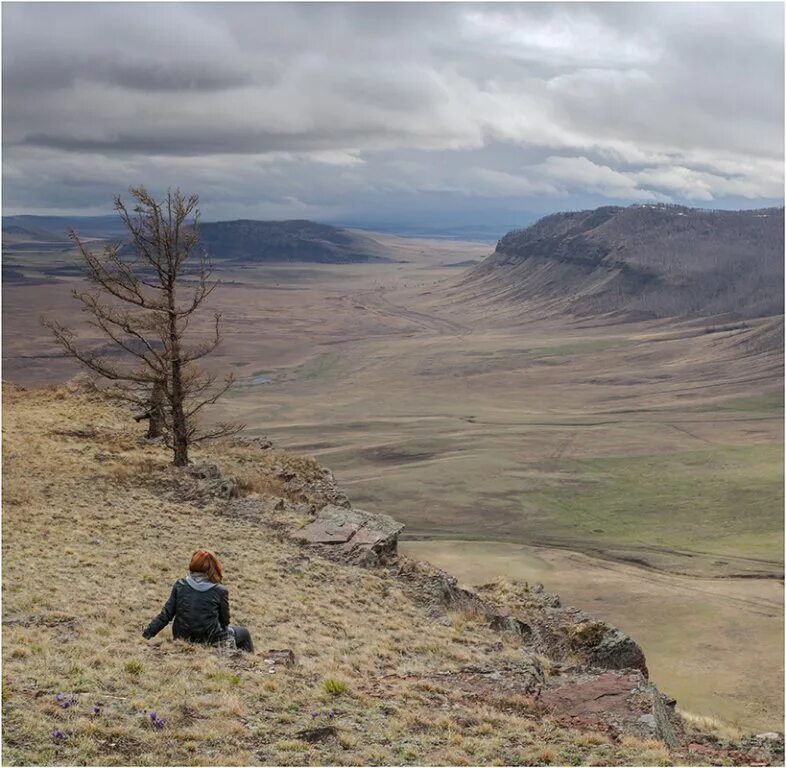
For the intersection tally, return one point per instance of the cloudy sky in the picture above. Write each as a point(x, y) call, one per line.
point(374, 112)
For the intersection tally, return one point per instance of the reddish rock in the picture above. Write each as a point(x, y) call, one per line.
point(607, 693)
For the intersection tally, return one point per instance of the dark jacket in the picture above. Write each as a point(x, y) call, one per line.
point(200, 611)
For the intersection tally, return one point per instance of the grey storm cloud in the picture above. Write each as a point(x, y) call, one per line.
point(332, 109)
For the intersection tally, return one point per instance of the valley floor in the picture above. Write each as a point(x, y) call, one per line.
point(654, 444)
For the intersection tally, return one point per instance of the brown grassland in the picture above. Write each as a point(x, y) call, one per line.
point(91, 543)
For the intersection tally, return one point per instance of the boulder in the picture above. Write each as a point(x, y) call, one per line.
point(203, 482)
point(622, 701)
point(501, 622)
point(319, 491)
point(366, 538)
point(607, 647)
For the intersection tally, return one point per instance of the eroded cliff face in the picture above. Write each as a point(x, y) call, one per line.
point(643, 261)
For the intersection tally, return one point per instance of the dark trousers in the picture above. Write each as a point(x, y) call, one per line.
point(243, 639)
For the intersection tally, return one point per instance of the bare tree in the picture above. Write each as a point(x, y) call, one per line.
point(143, 297)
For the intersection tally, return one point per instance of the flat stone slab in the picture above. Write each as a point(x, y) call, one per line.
point(354, 529)
point(326, 532)
point(366, 537)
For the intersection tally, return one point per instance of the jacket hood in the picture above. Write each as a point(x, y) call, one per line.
point(199, 582)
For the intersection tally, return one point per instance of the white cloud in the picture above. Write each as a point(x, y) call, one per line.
point(254, 104)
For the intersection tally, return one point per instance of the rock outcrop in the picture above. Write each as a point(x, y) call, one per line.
point(318, 492)
point(564, 634)
point(207, 483)
point(353, 535)
point(571, 667)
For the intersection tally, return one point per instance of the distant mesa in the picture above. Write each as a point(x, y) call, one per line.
point(643, 261)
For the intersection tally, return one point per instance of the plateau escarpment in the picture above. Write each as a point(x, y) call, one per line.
point(364, 656)
point(643, 261)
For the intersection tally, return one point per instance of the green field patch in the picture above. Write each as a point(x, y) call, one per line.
point(500, 361)
point(722, 500)
point(577, 347)
point(770, 403)
point(318, 367)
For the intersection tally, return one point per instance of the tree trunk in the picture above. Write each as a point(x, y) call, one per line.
point(179, 423)
point(155, 424)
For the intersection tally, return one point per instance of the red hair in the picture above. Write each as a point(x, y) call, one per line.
point(206, 562)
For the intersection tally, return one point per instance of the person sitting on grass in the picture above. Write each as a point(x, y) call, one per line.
point(199, 605)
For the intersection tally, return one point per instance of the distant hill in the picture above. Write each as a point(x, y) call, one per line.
point(296, 240)
point(244, 240)
point(642, 261)
point(58, 226)
point(21, 239)
point(15, 233)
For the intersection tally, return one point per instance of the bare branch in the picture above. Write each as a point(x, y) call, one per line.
point(134, 304)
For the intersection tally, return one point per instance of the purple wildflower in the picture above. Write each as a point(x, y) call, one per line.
point(59, 736)
point(156, 720)
point(63, 701)
point(96, 710)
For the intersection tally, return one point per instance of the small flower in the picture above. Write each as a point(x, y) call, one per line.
point(156, 721)
point(63, 701)
point(96, 710)
point(59, 736)
point(315, 714)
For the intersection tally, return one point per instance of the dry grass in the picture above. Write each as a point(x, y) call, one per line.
point(91, 546)
point(712, 725)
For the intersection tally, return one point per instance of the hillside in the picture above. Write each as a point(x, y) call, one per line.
point(393, 663)
point(282, 241)
point(242, 241)
point(51, 227)
point(14, 234)
point(643, 261)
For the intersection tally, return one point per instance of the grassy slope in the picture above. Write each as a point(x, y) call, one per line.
point(90, 550)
